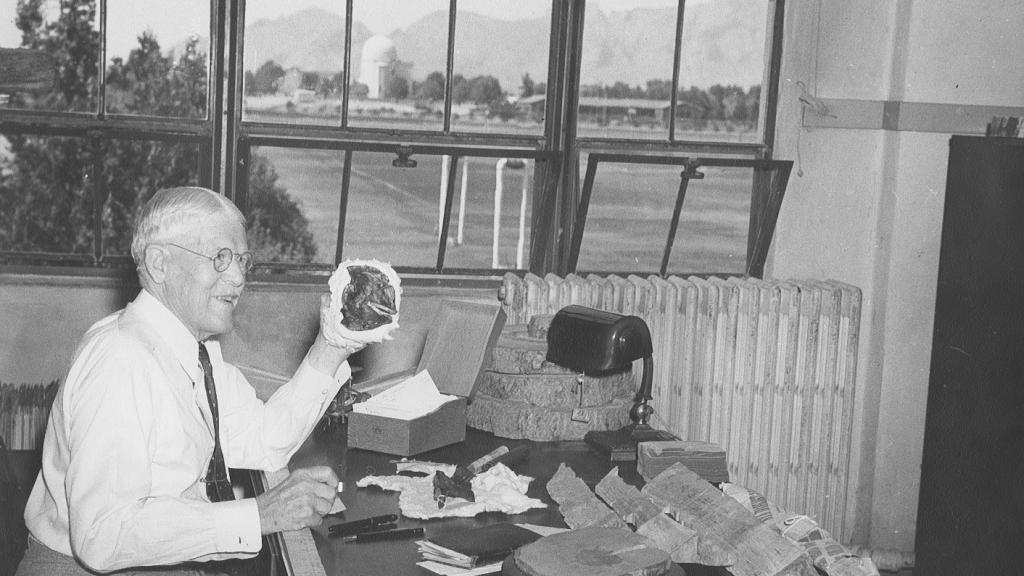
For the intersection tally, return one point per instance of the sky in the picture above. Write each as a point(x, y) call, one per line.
point(190, 16)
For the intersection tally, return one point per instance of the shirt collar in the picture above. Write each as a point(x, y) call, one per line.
point(179, 339)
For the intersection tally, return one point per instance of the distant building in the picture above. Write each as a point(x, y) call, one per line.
point(604, 111)
point(380, 65)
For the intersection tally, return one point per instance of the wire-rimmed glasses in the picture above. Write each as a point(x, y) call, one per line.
point(222, 259)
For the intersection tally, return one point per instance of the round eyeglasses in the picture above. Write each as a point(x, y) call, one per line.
point(222, 259)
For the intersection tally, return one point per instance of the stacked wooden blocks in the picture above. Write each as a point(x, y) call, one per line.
point(522, 395)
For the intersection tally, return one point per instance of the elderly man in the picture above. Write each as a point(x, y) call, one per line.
point(149, 416)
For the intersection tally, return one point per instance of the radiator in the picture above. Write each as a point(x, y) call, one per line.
point(764, 368)
point(24, 409)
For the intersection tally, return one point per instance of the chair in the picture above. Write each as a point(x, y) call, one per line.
point(13, 534)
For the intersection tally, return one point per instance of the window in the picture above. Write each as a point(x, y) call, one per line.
point(446, 136)
point(79, 156)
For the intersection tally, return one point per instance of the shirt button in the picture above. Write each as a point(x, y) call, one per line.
point(323, 392)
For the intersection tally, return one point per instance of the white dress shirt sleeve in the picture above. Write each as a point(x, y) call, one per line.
point(263, 436)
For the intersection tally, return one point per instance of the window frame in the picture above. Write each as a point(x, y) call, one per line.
point(225, 138)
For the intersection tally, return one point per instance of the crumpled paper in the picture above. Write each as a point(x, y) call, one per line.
point(498, 489)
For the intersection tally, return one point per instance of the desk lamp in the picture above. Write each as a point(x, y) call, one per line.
point(597, 342)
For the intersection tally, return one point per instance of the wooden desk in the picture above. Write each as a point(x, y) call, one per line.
point(398, 558)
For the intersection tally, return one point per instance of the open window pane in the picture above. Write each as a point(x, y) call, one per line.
point(500, 58)
point(714, 223)
point(133, 171)
point(721, 68)
point(491, 214)
point(294, 204)
point(46, 202)
point(393, 212)
point(158, 66)
point(628, 218)
point(393, 59)
point(66, 38)
point(294, 62)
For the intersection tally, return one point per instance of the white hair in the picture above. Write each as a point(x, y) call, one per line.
point(173, 213)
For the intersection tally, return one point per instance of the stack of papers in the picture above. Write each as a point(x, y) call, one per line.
point(410, 399)
point(706, 459)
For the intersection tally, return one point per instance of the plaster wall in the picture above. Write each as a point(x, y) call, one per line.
point(867, 208)
point(44, 317)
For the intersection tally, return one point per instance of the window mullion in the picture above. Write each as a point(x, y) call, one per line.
point(101, 97)
point(449, 67)
point(346, 75)
point(676, 61)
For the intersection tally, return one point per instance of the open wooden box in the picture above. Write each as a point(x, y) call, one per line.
point(456, 349)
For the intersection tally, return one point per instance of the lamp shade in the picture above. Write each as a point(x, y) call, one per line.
point(596, 341)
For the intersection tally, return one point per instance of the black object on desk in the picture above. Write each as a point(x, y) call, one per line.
point(364, 525)
point(600, 342)
point(383, 535)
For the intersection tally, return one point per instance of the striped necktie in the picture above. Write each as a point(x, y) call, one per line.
point(218, 487)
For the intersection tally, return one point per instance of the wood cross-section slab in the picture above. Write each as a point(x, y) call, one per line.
point(594, 551)
point(725, 526)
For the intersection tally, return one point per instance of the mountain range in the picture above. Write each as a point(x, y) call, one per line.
point(722, 44)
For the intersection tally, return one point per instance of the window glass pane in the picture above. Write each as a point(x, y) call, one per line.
point(294, 204)
point(66, 35)
point(45, 196)
point(396, 46)
point(714, 223)
point(133, 171)
point(627, 60)
point(293, 61)
point(720, 71)
point(626, 69)
point(158, 65)
point(393, 212)
point(628, 217)
point(491, 212)
point(501, 57)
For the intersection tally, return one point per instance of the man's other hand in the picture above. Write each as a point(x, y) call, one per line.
point(299, 501)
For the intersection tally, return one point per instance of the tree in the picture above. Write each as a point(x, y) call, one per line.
point(526, 87)
point(277, 229)
point(264, 80)
point(432, 88)
point(397, 87)
point(52, 189)
point(460, 89)
point(486, 90)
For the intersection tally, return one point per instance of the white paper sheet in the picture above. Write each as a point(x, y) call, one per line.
point(408, 400)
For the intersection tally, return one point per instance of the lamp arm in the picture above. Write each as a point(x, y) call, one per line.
point(641, 411)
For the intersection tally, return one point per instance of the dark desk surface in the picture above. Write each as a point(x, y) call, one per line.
point(399, 558)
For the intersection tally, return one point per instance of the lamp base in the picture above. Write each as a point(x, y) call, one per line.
point(620, 445)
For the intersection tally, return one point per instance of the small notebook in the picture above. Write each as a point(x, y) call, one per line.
point(478, 546)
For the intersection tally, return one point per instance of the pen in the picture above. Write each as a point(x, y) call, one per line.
point(370, 530)
point(384, 535)
point(355, 526)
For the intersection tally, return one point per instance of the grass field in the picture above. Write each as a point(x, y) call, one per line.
point(393, 213)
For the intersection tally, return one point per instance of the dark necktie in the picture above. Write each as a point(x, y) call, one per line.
point(218, 487)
